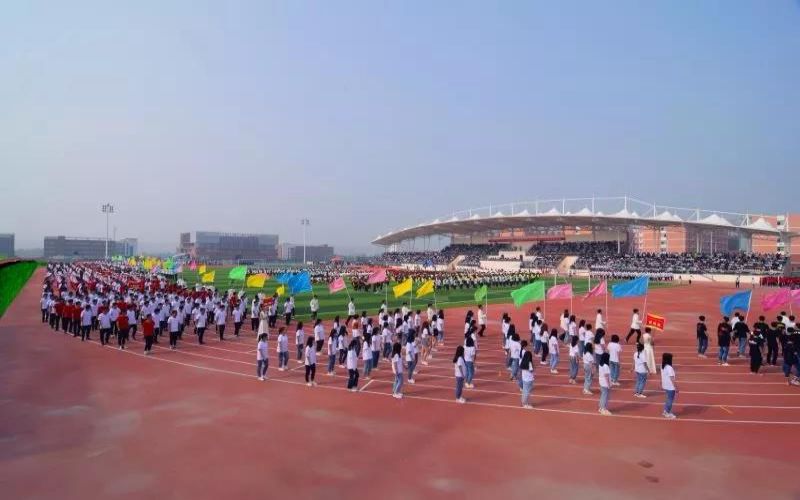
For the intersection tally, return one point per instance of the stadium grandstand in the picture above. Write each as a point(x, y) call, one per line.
point(615, 237)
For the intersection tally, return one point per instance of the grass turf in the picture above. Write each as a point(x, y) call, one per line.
point(12, 278)
point(332, 304)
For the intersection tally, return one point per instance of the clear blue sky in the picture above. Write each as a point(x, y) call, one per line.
point(365, 116)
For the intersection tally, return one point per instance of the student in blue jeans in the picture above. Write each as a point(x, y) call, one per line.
point(702, 337)
point(724, 341)
point(668, 384)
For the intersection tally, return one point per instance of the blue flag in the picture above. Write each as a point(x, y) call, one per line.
point(632, 288)
point(283, 278)
point(300, 283)
point(740, 300)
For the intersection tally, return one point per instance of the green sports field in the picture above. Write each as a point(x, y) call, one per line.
point(332, 304)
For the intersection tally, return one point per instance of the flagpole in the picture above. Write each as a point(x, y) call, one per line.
point(608, 313)
point(750, 300)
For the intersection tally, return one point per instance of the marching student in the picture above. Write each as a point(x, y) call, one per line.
point(771, 334)
point(481, 321)
point(314, 306)
point(132, 320)
point(537, 336)
point(351, 310)
point(526, 378)
point(238, 318)
point(599, 345)
point(366, 355)
point(219, 319)
point(756, 343)
point(702, 337)
point(283, 349)
point(564, 321)
point(514, 351)
point(200, 320)
point(310, 362)
point(469, 360)
point(272, 312)
point(460, 368)
point(104, 321)
point(440, 326)
point(588, 369)
point(668, 384)
point(640, 368)
point(545, 344)
point(148, 332)
point(43, 306)
point(425, 340)
point(599, 322)
point(636, 327)
point(375, 342)
point(342, 345)
point(255, 315)
point(574, 353)
point(604, 377)
point(122, 333)
point(397, 370)
point(552, 346)
point(332, 350)
point(174, 326)
point(288, 310)
point(263, 321)
point(262, 357)
point(86, 322)
point(319, 334)
point(386, 335)
point(352, 366)
point(614, 350)
point(411, 358)
point(724, 341)
point(299, 340)
point(649, 352)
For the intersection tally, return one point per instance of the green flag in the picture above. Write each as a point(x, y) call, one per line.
point(238, 273)
point(480, 293)
point(528, 293)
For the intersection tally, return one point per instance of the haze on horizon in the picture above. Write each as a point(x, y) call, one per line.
point(365, 117)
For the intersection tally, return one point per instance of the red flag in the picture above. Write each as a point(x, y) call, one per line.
point(377, 277)
point(653, 321)
point(337, 285)
point(599, 290)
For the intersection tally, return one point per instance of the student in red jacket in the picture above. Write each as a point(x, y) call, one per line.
point(122, 330)
point(148, 330)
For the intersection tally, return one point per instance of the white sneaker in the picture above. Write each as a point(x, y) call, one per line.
point(527, 407)
point(412, 381)
point(605, 413)
point(308, 384)
point(398, 395)
point(425, 363)
point(725, 364)
point(461, 400)
point(555, 372)
point(587, 393)
point(261, 378)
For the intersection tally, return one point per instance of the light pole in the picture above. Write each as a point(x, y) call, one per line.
point(107, 209)
point(305, 223)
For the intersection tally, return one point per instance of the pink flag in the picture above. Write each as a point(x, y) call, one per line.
point(377, 277)
point(193, 266)
point(560, 292)
point(796, 296)
point(336, 285)
point(599, 290)
point(777, 299)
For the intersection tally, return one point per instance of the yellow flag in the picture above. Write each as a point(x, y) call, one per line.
point(403, 288)
point(207, 277)
point(425, 289)
point(256, 280)
point(281, 290)
point(202, 269)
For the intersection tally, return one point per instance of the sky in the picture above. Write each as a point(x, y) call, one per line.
point(366, 116)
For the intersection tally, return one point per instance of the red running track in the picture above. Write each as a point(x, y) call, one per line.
point(80, 420)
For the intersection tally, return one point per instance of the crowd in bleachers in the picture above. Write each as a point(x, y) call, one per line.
point(473, 255)
point(576, 248)
point(683, 263)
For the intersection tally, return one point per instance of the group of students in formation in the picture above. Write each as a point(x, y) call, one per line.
point(763, 343)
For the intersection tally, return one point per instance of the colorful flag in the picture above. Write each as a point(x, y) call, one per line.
point(481, 293)
point(528, 293)
point(283, 278)
point(633, 288)
point(796, 296)
point(560, 292)
point(179, 269)
point(740, 300)
point(256, 280)
point(403, 288)
point(208, 277)
point(653, 321)
point(776, 299)
point(193, 266)
point(377, 277)
point(300, 283)
point(599, 290)
point(281, 290)
point(426, 288)
point(202, 269)
point(337, 285)
point(238, 273)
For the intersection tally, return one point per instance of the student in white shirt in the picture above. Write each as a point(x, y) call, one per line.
point(640, 368)
point(574, 354)
point(352, 366)
point(604, 377)
point(283, 349)
point(319, 334)
point(440, 326)
point(588, 369)
point(310, 362)
point(599, 345)
point(668, 384)
point(481, 321)
point(314, 306)
point(411, 357)
point(514, 352)
point(332, 350)
point(636, 327)
point(104, 321)
point(200, 323)
point(86, 322)
point(262, 359)
point(132, 322)
point(469, 359)
point(174, 326)
point(237, 321)
point(351, 310)
point(219, 320)
point(341, 344)
point(552, 346)
point(376, 339)
point(460, 369)
point(614, 350)
point(598, 320)
point(299, 341)
point(366, 356)
point(397, 370)
point(526, 378)
point(255, 314)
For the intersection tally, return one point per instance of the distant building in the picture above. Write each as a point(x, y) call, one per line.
point(70, 248)
point(128, 247)
point(7, 245)
point(230, 247)
point(314, 253)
